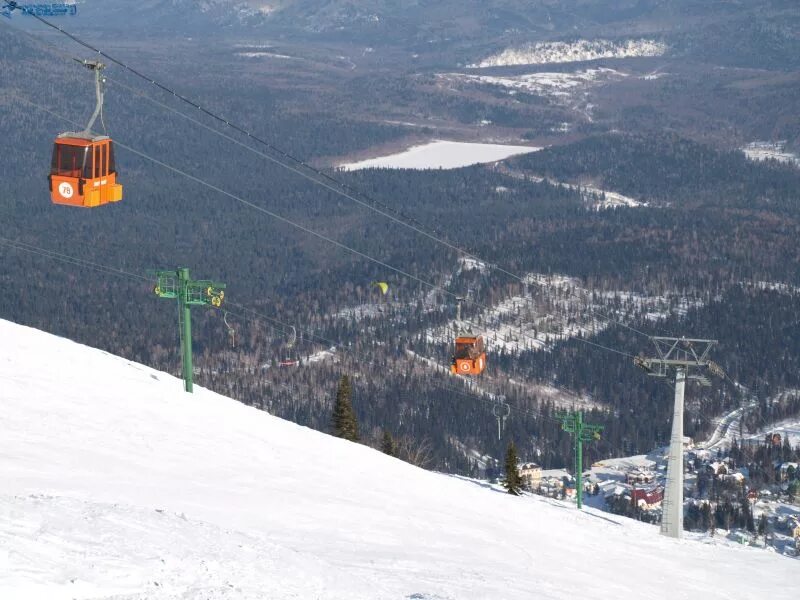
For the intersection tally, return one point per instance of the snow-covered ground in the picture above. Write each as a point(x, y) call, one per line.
point(543, 84)
point(770, 151)
point(596, 197)
point(729, 425)
point(787, 429)
point(441, 155)
point(543, 53)
point(118, 485)
point(262, 54)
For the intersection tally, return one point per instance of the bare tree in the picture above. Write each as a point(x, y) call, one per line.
point(418, 453)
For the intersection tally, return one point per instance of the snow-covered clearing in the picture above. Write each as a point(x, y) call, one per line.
point(543, 84)
point(441, 154)
point(321, 355)
point(602, 199)
point(624, 464)
point(787, 429)
point(598, 198)
point(559, 308)
point(775, 286)
point(261, 54)
point(543, 53)
point(116, 484)
point(729, 425)
point(770, 151)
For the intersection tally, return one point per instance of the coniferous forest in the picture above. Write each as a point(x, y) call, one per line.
point(711, 252)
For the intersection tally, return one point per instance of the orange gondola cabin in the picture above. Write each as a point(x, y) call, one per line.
point(470, 355)
point(83, 172)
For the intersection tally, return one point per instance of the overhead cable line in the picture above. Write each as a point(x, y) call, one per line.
point(337, 186)
point(79, 262)
point(301, 227)
point(249, 314)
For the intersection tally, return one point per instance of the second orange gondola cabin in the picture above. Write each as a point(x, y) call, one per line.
point(470, 355)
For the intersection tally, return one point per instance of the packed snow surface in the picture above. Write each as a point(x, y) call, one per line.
point(442, 155)
point(543, 53)
point(116, 484)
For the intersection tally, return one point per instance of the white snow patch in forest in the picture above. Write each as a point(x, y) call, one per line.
point(760, 151)
point(654, 76)
point(261, 54)
point(775, 286)
point(605, 199)
point(729, 425)
point(321, 355)
point(558, 308)
point(598, 198)
point(467, 263)
point(118, 484)
point(441, 154)
point(542, 53)
point(787, 429)
point(543, 84)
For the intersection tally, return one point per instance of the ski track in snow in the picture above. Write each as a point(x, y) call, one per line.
point(118, 485)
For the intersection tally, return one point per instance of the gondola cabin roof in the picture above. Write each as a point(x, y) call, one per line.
point(80, 138)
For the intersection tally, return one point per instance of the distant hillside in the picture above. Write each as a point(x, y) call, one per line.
point(758, 33)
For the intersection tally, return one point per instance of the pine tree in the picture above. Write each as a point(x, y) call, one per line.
point(747, 512)
point(344, 422)
point(513, 481)
point(762, 525)
point(388, 445)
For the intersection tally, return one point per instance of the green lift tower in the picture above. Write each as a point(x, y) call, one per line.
point(202, 292)
point(572, 422)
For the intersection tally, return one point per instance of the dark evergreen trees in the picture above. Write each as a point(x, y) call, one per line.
point(388, 445)
point(513, 481)
point(344, 421)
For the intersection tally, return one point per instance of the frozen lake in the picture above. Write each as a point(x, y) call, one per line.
point(441, 155)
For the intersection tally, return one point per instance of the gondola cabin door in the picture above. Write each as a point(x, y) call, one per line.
point(83, 172)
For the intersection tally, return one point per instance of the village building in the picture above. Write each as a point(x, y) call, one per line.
point(531, 475)
point(640, 477)
point(647, 497)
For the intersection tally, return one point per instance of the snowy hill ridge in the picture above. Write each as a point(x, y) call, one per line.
point(116, 484)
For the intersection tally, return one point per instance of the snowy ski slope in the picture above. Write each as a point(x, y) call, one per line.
point(116, 484)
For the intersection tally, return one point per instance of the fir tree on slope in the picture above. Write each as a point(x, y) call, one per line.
point(513, 481)
point(344, 421)
point(388, 445)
